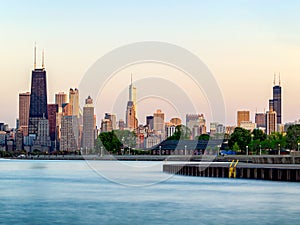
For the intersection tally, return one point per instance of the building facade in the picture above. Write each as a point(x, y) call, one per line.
point(24, 105)
point(88, 124)
point(243, 116)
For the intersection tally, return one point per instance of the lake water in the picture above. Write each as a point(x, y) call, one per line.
point(102, 192)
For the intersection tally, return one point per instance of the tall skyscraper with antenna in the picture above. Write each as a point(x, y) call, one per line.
point(132, 92)
point(38, 98)
point(276, 101)
point(131, 120)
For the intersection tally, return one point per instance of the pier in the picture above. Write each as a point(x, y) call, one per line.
point(274, 172)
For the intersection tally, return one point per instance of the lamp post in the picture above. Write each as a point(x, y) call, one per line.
point(278, 149)
point(159, 150)
point(185, 150)
point(259, 149)
point(247, 150)
point(298, 146)
point(101, 151)
point(252, 135)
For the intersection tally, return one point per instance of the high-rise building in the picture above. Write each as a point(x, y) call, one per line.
point(271, 122)
point(159, 122)
point(69, 133)
point(52, 116)
point(176, 121)
point(60, 99)
point(277, 101)
point(243, 116)
point(38, 98)
point(131, 121)
point(24, 105)
point(88, 124)
point(132, 93)
point(196, 124)
point(121, 124)
point(149, 122)
point(260, 120)
point(74, 101)
point(106, 125)
point(113, 118)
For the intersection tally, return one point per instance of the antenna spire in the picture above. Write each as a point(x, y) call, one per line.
point(131, 79)
point(279, 80)
point(34, 56)
point(43, 60)
point(274, 82)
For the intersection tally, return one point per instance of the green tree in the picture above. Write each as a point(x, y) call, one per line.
point(293, 136)
point(236, 147)
point(204, 137)
point(240, 136)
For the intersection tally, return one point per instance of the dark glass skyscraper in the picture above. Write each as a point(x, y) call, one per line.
point(38, 100)
point(277, 102)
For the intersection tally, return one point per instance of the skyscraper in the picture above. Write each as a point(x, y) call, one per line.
point(196, 124)
point(271, 122)
point(38, 98)
point(243, 116)
point(260, 120)
point(277, 100)
point(159, 122)
point(60, 99)
point(88, 124)
point(24, 105)
point(131, 121)
point(52, 115)
point(113, 119)
point(132, 93)
point(74, 101)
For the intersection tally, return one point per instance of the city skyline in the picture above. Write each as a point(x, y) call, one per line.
point(242, 53)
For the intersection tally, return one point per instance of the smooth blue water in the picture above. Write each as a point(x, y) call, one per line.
point(80, 192)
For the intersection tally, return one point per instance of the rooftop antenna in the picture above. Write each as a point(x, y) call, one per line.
point(43, 60)
point(34, 60)
point(279, 80)
point(131, 79)
point(274, 82)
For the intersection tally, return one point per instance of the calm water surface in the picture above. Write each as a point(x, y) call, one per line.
point(98, 192)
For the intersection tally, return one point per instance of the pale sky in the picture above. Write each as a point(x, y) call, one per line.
point(243, 43)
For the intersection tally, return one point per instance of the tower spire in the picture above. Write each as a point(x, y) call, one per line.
point(43, 60)
point(274, 82)
point(34, 56)
point(279, 80)
point(131, 79)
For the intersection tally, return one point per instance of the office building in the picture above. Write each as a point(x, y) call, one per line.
point(38, 98)
point(24, 105)
point(243, 116)
point(60, 99)
point(159, 122)
point(260, 120)
point(88, 124)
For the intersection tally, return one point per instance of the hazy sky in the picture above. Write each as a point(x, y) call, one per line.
point(242, 42)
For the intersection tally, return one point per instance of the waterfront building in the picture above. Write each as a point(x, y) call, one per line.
point(260, 120)
point(38, 98)
point(271, 122)
point(131, 121)
point(74, 102)
point(121, 124)
point(196, 124)
point(113, 118)
point(277, 100)
point(149, 122)
point(248, 125)
point(60, 99)
point(19, 140)
point(176, 121)
point(243, 116)
point(89, 125)
point(106, 125)
point(159, 123)
point(24, 105)
point(69, 133)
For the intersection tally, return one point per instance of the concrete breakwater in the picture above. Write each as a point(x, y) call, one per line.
point(278, 172)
